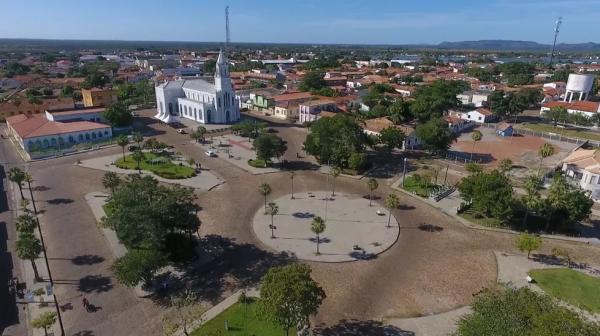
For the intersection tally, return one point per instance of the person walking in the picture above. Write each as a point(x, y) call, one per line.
point(86, 304)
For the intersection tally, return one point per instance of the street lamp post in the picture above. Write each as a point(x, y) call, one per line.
point(404, 173)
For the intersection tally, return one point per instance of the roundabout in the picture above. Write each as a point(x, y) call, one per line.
point(353, 229)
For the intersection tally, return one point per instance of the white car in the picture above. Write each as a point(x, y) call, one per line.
point(181, 131)
point(211, 153)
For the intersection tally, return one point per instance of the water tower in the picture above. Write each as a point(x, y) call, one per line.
point(579, 87)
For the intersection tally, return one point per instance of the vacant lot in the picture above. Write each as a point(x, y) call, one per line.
point(574, 287)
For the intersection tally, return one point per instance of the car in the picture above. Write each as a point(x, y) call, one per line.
point(211, 153)
point(132, 148)
point(181, 131)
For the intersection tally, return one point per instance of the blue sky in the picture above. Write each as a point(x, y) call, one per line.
point(302, 21)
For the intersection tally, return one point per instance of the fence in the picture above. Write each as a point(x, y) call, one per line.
point(546, 135)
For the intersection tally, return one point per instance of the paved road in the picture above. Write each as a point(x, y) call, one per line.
point(12, 318)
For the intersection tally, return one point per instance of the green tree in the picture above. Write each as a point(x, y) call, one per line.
point(512, 312)
point(138, 138)
point(391, 202)
point(400, 112)
point(566, 204)
point(29, 247)
point(44, 321)
point(335, 173)
point(199, 134)
point(118, 115)
point(532, 199)
point(356, 161)
point(138, 156)
point(289, 296)
point(265, 190)
point(546, 150)
point(317, 226)
point(490, 193)
point(433, 100)
point(17, 176)
point(372, 184)
point(476, 136)
point(122, 141)
point(505, 165)
point(527, 242)
point(272, 210)
point(435, 135)
point(67, 91)
point(26, 223)
point(268, 146)
point(556, 114)
point(312, 80)
point(333, 140)
point(391, 137)
point(111, 181)
point(138, 265)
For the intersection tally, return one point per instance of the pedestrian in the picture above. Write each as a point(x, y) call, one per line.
point(86, 304)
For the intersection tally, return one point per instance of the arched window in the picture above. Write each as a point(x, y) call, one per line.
point(46, 144)
point(30, 145)
point(195, 113)
point(61, 141)
point(80, 137)
point(219, 102)
point(162, 107)
point(87, 136)
point(185, 110)
point(71, 140)
point(38, 143)
point(53, 141)
point(170, 108)
point(99, 134)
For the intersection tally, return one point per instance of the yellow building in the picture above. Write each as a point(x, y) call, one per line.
point(98, 97)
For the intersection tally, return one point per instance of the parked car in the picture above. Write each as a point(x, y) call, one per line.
point(211, 153)
point(133, 148)
point(181, 131)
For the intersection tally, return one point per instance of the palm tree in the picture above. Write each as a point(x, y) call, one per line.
point(272, 210)
point(372, 184)
point(17, 176)
point(44, 321)
point(476, 136)
point(317, 227)
point(122, 141)
point(335, 172)
point(111, 181)
point(28, 247)
point(26, 223)
point(265, 190)
point(138, 156)
point(138, 138)
point(29, 180)
point(532, 199)
point(545, 151)
point(391, 202)
point(292, 175)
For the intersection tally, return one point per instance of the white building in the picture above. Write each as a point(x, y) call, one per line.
point(579, 87)
point(199, 100)
point(474, 98)
point(583, 167)
point(480, 115)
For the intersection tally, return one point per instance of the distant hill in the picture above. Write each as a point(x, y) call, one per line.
point(517, 46)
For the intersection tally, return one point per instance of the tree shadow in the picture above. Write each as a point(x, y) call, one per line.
point(87, 259)
point(405, 207)
point(430, 228)
point(9, 312)
point(40, 188)
point(303, 215)
point(230, 266)
point(362, 328)
point(300, 165)
point(322, 240)
point(57, 201)
point(547, 259)
point(374, 198)
point(95, 283)
point(84, 333)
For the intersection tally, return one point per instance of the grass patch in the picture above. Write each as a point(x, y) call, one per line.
point(567, 131)
point(166, 169)
point(574, 287)
point(256, 163)
point(418, 185)
point(242, 319)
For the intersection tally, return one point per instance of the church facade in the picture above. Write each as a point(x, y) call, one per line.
point(199, 100)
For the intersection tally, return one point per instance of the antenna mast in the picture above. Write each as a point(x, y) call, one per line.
point(227, 37)
point(556, 31)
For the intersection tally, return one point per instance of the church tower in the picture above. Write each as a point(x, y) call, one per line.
point(226, 104)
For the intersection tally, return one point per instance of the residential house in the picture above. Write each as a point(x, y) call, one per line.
point(310, 111)
point(480, 115)
point(21, 105)
point(457, 124)
point(504, 130)
point(582, 167)
point(376, 125)
point(474, 98)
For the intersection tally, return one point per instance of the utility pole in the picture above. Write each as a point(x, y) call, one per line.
point(556, 31)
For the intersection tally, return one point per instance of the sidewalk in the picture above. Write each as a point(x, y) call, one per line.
point(36, 304)
point(96, 201)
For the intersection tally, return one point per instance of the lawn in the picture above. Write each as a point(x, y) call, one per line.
point(166, 169)
point(257, 163)
point(574, 287)
point(483, 221)
point(418, 185)
point(568, 132)
point(243, 320)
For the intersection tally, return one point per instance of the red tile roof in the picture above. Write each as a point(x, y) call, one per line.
point(586, 106)
point(38, 125)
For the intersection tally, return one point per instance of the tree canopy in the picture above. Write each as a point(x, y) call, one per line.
point(268, 146)
point(312, 80)
point(334, 139)
point(512, 312)
point(435, 135)
point(434, 99)
point(490, 193)
point(118, 115)
point(289, 296)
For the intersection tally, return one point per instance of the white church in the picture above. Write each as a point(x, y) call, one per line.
point(199, 100)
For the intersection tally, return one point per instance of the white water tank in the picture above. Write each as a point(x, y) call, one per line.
point(579, 87)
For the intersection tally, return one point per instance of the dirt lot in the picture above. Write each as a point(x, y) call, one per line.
point(522, 150)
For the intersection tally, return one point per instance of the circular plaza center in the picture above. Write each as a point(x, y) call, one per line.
point(354, 230)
